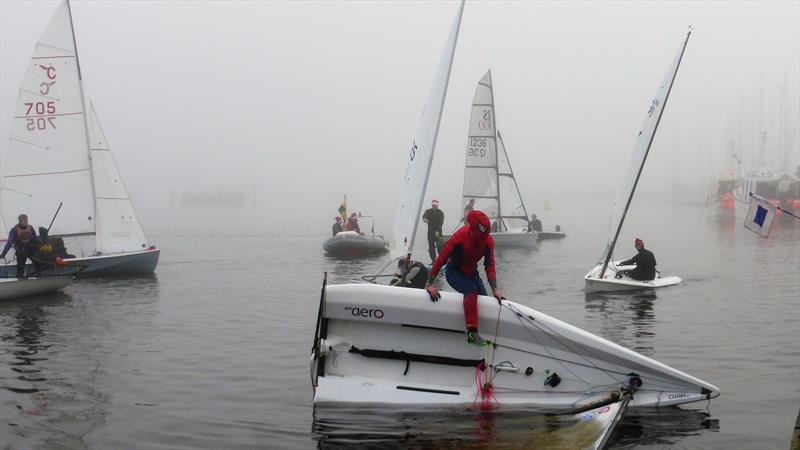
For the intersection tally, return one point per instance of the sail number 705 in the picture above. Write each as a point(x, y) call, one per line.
point(40, 109)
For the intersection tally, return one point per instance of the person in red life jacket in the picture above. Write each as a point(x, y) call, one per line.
point(467, 246)
point(352, 224)
point(25, 242)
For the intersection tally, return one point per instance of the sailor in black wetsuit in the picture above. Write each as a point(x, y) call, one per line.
point(645, 262)
point(434, 217)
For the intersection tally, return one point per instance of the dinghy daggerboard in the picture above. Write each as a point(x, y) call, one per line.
point(597, 278)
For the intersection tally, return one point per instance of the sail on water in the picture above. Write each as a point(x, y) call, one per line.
point(597, 277)
point(57, 152)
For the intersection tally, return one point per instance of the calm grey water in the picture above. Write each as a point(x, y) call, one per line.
point(212, 351)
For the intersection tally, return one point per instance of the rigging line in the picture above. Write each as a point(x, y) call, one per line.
point(551, 356)
point(494, 344)
point(592, 364)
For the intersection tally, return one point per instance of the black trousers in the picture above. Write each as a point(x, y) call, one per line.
point(22, 258)
point(434, 245)
point(641, 275)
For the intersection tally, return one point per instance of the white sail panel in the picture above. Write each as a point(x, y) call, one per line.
point(480, 170)
point(625, 191)
point(415, 180)
point(46, 161)
point(513, 210)
point(118, 228)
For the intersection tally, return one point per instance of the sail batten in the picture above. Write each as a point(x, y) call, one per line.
point(415, 180)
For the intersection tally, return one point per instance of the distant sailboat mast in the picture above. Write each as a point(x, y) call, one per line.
point(659, 111)
point(510, 174)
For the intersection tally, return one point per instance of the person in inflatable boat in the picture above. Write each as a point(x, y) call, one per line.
point(462, 252)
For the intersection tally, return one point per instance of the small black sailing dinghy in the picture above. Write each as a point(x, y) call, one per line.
point(608, 275)
point(387, 345)
point(58, 153)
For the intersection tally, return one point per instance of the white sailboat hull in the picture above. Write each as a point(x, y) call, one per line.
point(12, 288)
point(515, 238)
point(361, 320)
point(128, 263)
point(611, 284)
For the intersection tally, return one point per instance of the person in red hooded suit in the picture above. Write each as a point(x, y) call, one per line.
point(462, 252)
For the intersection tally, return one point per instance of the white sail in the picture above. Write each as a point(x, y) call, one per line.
point(641, 149)
point(480, 169)
point(415, 180)
point(488, 177)
point(46, 161)
point(118, 228)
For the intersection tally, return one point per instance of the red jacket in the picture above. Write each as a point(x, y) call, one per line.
point(467, 246)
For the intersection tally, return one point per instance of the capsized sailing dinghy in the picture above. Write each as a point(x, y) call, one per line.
point(603, 277)
point(57, 153)
point(380, 344)
point(489, 183)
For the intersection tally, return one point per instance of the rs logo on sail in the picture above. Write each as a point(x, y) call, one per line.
point(365, 312)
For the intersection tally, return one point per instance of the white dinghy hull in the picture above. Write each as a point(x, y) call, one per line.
point(515, 238)
point(128, 263)
point(609, 283)
point(391, 345)
point(12, 288)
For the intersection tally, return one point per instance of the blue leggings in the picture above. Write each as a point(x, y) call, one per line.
point(463, 283)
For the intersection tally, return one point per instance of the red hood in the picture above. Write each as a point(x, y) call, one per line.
point(479, 225)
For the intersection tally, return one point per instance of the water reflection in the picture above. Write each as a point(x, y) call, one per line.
point(347, 269)
point(384, 428)
point(624, 318)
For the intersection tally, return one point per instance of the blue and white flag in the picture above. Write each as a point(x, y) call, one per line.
point(760, 215)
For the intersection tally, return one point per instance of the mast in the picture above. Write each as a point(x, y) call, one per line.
point(496, 155)
point(511, 170)
point(641, 167)
point(435, 138)
point(85, 120)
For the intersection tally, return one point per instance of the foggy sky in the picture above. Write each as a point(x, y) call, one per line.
point(306, 101)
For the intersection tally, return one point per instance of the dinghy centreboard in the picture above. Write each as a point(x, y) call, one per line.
point(57, 152)
point(488, 177)
point(377, 344)
point(603, 276)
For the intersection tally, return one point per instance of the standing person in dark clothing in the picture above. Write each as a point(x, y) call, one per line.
point(644, 261)
point(470, 206)
point(434, 217)
point(337, 225)
point(23, 238)
point(462, 252)
point(535, 224)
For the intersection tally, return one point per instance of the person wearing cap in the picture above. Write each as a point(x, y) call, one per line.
point(352, 224)
point(462, 252)
point(434, 217)
point(645, 262)
point(337, 225)
point(535, 224)
point(25, 242)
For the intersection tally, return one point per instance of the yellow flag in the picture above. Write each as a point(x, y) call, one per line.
point(343, 209)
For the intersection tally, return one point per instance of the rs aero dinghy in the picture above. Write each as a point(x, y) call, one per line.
point(377, 344)
point(58, 153)
point(604, 276)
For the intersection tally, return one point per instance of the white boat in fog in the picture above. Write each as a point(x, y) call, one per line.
point(13, 288)
point(58, 153)
point(489, 181)
point(607, 275)
point(387, 345)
